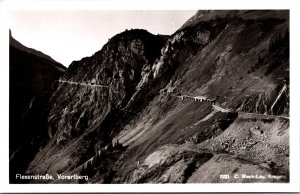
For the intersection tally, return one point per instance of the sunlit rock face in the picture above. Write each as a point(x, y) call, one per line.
point(109, 80)
point(125, 102)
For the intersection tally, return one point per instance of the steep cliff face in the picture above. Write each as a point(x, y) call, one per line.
point(118, 118)
point(106, 81)
point(92, 98)
point(32, 75)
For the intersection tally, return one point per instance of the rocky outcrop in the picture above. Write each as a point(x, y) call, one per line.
point(260, 143)
point(275, 103)
point(169, 164)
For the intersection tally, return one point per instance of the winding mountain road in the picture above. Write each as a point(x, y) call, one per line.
point(241, 114)
point(84, 84)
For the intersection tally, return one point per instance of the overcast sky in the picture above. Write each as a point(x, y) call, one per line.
point(72, 35)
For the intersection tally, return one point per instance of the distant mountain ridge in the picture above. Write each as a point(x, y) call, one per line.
point(206, 15)
point(14, 43)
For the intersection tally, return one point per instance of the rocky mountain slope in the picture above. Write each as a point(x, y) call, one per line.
point(118, 117)
point(31, 81)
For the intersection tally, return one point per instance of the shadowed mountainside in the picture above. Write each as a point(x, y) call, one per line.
point(31, 81)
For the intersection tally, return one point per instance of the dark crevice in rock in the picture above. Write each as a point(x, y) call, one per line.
point(195, 164)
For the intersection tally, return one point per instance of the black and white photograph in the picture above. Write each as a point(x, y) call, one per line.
point(181, 97)
point(208, 103)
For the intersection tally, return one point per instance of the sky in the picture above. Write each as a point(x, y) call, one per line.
point(71, 35)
